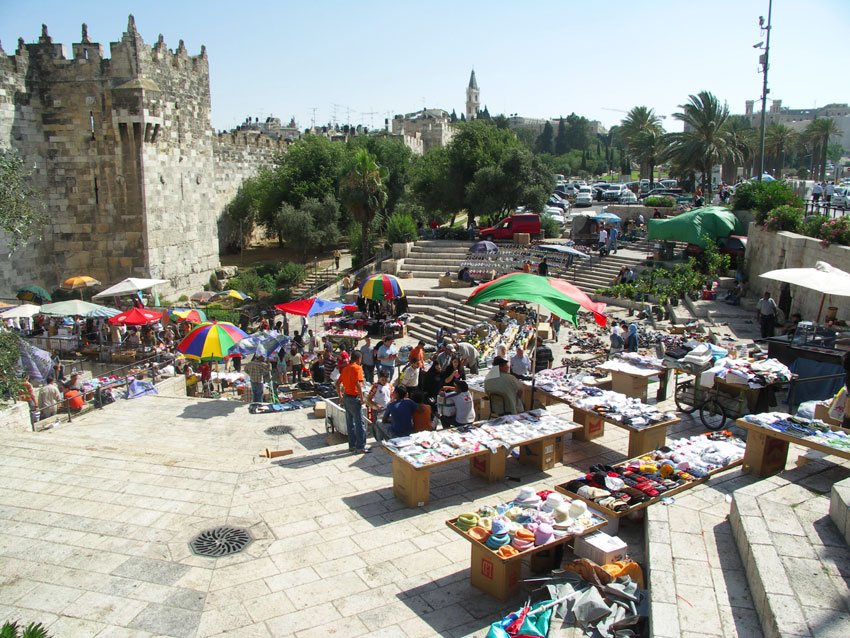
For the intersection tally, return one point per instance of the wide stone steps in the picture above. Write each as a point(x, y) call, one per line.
point(795, 555)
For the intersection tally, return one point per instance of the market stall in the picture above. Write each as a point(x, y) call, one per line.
point(485, 445)
point(631, 372)
point(532, 525)
point(769, 433)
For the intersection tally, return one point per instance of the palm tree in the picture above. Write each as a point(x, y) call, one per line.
point(648, 148)
point(821, 129)
point(363, 192)
point(640, 120)
point(705, 140)
point(742, 139)
point(777, 139)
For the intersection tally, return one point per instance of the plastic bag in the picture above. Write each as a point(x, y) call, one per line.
point(518, 624)
point(807, 410)
point(838, 405)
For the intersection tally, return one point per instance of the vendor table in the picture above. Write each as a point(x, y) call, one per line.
point(499, 577)
point(412, 485)
point(609, 513)
point(767, 449)
point(632, 383)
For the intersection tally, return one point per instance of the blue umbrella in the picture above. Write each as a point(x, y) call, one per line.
point(262, 343)
point(610, 218)
point(103, 312)
point(484, 247)
point(35, 362)
point(768, 178)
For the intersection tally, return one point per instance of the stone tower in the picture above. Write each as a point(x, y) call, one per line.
point(472, 101)
point(133, 176)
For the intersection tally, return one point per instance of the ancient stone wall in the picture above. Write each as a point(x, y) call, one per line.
point(134, 177)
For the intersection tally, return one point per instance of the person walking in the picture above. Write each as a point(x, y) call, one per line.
point(612, 239)
point(257, 370)
point(817, 192)
point(543, 268)
point(337, 257)
point(351, 396)
point(555, 322)
point(766, 315)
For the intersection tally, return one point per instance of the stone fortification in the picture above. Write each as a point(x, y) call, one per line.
point(133, 175)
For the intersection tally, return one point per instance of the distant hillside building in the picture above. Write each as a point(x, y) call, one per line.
point(473, 98)
point(432, 126)
point(273, 128)
point(799, 119)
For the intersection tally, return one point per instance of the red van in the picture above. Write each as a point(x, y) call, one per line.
point(509, 226)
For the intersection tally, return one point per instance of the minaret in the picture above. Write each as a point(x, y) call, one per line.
point(472, 101)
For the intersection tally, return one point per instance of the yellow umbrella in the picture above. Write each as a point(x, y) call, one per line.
point(79, 282)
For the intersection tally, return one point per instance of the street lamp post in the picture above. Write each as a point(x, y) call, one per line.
point(764, 90)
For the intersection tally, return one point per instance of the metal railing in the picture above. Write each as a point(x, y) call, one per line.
point(796, 381)
point(811, 208)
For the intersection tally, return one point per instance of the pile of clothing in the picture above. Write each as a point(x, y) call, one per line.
point(623, 487)
point(618, 407)
point(702, 454)
point(433, 446)
point(755, 374)
point(530, 520)
point(813, 430)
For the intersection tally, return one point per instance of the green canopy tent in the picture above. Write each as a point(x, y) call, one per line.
point(690, 227)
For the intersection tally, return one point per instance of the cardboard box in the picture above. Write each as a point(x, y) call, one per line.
point(319, 409)
point(601, 548)
point(523, 239)
point(543, 332)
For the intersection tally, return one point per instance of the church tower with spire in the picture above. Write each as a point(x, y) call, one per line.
point(472, 100)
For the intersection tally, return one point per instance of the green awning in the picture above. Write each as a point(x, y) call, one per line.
point(690, 227)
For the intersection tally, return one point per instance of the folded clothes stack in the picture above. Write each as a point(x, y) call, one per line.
point(812, 430)
point(755, 374)
point(531, 520)
point(423, 448)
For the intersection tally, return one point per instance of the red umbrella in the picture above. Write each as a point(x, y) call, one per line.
point(137, 317)
point(312, 306)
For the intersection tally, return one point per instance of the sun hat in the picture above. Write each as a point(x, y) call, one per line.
point(478, 533)
point(500, 526)
point(523, 540)
point(466, 521)
point(527, 496)
point(543, 534)
point(487, 511)
point(578, 509)
point(506, 551)
point(553, 501)
point(495, 541)
point(486, 522)
point(562, 516)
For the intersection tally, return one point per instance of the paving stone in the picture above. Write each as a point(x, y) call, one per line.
point(780, 518)
point(699, 609)
point(692, 572)
point(787, 616)
point(152, 571)
point(103, 608)
point(812, 584)
point(302, 619)
point(826, 623)
point(167, 621)
point(68, 627)
point(689, 546)
point(738, 622)
point(50, 598)
point(665, 620)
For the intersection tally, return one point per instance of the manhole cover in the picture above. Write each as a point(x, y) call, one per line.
point(278, 430)
point(221, 541)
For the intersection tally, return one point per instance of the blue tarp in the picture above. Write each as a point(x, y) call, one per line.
point(816, 390)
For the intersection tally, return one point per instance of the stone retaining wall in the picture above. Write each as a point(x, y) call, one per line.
point(770, 251)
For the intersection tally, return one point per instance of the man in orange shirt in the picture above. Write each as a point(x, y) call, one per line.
point(418, 352)
point(350, 388)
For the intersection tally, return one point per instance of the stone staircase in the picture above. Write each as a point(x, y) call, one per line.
point(430, 259)
point(434, 309)
point(315, 279)
point(792, 533)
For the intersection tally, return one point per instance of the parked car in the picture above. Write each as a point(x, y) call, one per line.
point(599, 190)
point(558, 202)
point(558, 215)
point(841, 197)
point(584, 198)
point(613, 193)
point(509, 226)
point(660, 192)
point(628, 197)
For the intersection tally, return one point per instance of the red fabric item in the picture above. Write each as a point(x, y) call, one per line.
point(74, 399)
point(137, 317)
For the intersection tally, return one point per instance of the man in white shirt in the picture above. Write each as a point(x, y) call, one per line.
point(464, 406)
point(520, 364)
point(830, 191)
point(387, 355)
point(817, 192)
point(766, 315)
point(410, 376)
point(603, 238)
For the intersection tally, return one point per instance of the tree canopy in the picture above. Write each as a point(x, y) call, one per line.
point(21, 212)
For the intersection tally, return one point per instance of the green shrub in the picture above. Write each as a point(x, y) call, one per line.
point(183, 298)
point(788, 218)
point(812, 226)
point(762, 197)
point(549, 226)
point(222, 314)
point(289, 274)
point(828, 230)
point(459, 233)
point(401, 228)
point(657, 201)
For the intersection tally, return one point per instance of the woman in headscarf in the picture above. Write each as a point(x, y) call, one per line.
point(632, 339)
point(453, 371)
point(617, 342)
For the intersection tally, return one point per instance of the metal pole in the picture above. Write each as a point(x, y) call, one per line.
point(764, 92)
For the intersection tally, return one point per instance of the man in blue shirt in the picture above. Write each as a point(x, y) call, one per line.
point(398, 417)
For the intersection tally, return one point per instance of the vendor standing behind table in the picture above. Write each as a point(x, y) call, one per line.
point(631, 343)
point(507, 385)
point(766, 315)
point(468, 356)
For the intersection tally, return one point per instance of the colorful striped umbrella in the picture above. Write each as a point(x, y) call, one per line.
point(381, 286)
point(137, 317)
point(211, 341)
point(189, 314)
point(312, 307)
point(232, 294)
point(556, 295)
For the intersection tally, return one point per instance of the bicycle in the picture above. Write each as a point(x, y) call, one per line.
point(690, 396)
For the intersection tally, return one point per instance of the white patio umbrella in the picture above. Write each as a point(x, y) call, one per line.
point(129, 286)
point(823, 278)
point(22, 311)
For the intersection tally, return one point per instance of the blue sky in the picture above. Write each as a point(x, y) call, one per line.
point(537, 59)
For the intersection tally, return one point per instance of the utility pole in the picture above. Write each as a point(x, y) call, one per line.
point(764, 90)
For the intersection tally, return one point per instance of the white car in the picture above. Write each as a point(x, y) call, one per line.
point(841, 197)
point(583, 198)
point(557, 214)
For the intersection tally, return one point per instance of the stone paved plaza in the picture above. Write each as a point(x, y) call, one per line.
point(96, 517)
